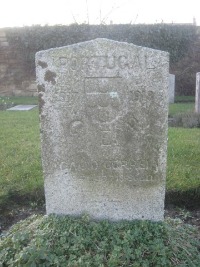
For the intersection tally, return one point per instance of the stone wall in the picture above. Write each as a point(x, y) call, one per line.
point(13, 79)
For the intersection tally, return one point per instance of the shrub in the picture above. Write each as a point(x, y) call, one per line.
point(186, 120)
point(180, 40)
point(5, 103)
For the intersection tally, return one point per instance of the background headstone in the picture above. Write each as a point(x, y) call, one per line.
point(103, 111)
point(171, 88)
point(22, 107)
point(197, 95)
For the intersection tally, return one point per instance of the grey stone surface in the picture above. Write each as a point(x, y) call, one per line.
point(197, 94)
point(171, 88)
point(22, 107)
point(103, 112)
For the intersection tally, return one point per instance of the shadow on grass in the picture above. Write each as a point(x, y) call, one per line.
point(189, 199)
point(16, 206)
point(15, 198)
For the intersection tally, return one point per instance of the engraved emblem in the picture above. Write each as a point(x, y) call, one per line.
point(102, 100)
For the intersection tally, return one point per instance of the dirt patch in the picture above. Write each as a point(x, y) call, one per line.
point(14, 215)
point(187, 216)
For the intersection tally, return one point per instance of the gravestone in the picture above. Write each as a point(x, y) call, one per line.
point(171, 88)
point(197, 94)
point(103, 111)
point(22, 107)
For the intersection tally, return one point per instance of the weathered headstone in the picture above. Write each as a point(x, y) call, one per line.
point(197, 95)
point(103, 111)
point(171, 88)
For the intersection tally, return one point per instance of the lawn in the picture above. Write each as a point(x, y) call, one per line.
point(183, 168)
point(184, 98)
point(20, 160)
point(17, 100)
point(178, 108)
point(67, 241)
point(183, 104)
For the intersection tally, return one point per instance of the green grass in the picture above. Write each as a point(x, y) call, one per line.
point(183, 104)
point(19, 100)
point(20, 163)
point(184, 98)
point(183, 168)
point(178, 108)
point(20, 160)
point(66, 241)
point(81, 242)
